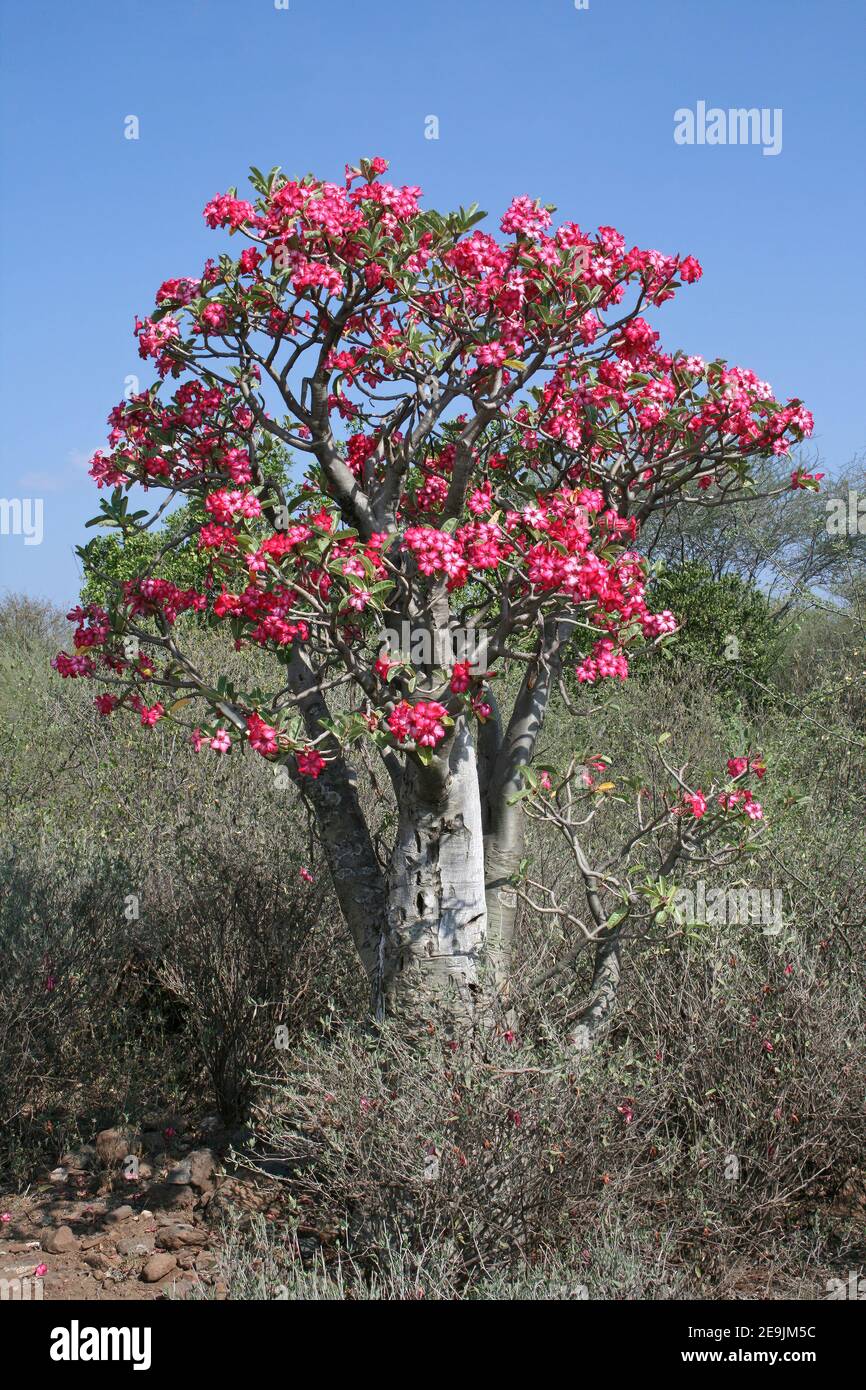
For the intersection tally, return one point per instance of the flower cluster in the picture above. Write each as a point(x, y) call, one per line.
point(533, 504)
point(420, 723)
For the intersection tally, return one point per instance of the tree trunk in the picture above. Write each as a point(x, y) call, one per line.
point(508, 754)
point(435, 905)
point(597, 1014)
point(355, 871)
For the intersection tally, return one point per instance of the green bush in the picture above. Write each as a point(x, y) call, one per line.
point(729, 634)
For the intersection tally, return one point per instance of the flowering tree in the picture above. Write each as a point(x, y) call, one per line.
point(486, 422)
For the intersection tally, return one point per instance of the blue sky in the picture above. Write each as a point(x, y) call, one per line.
point(532, 96)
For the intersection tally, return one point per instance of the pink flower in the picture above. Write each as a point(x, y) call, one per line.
point(801, 480)
point(637, 341)
point(262, 736)
point(40, 1271)
point(215, 317)
point(179, 291)
point(310, 764)
point(525, 217)
point(153, 338)
point(481, 499)
point(696, 801)
point(73, 666)
point(224, 211)
point(105, 703)
point(480, 708)
point(460, 677)
point(5, 1216)
point(250, 260)
point(491, 354)
point(221, 743)
point(421, 723)
point(306, 875)
point(382, 666)
point(151, 714)
point(605, 661)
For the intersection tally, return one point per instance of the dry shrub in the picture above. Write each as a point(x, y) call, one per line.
point(684, 1137)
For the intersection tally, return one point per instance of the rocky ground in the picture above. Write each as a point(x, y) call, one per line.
point(142, 1214)
point(134, 1215)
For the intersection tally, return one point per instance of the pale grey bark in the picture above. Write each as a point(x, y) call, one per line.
point(355, 871)
point(596, 1016)
point(504, 821)
point(436, 910)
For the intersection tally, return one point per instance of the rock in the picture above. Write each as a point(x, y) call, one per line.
point(157, 1267)
point(186, 1261)
point(97, 1259)
point(113, 1218)
point(80, 1160)
point(58, 1174)
point(167, 1218)
point(170, 1197)
point(21, 1271)
point(113, 1145)
point(159, 1125)
point(181, 1175)
point(60, 1242)
point(135, 1246)
point(202, 1163)
point(175, 1237)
